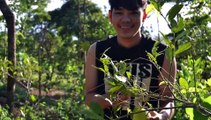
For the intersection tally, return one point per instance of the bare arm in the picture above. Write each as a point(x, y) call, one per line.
point(168, 74)
point(91, 81)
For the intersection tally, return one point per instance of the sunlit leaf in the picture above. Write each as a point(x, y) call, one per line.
point(101, 69)
point(19, 34)
point(111, 83)
point(155, 4)
point(189, 112)
point(183, 83)
point(183, 48)
point(197, 62)
point(106, 68)
point(184, 91)
point(163, 83)
point(33, 98)
point(207, 103)
point(114, 89)
point(179, 27)
point(209, 82)
point(192, 89)
point(129, 110)
point(151, 57)
point(105, 61)
point(129, 75)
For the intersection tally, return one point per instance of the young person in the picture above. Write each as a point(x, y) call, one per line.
point(129, 44)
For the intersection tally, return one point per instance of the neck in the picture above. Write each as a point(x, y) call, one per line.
point(129, 42)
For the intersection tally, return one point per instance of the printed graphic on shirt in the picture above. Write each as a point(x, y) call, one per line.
point(142, 73)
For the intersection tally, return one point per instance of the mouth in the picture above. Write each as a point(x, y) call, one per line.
point(125, 26)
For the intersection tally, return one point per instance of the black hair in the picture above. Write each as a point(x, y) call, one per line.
point(127, 4)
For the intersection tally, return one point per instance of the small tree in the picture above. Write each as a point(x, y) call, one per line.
point(10, 20)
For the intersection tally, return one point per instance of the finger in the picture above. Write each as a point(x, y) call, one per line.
point(152, 113)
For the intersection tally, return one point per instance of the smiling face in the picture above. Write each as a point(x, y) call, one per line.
point(126, 17)
point(126, 22)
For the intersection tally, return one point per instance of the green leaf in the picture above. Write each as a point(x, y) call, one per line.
point(180, 35)
point(169, 53)
point(207, 102)
point(97, 108)
point(101, 69)
point(174, 11)
point(111, 83)
point(163, 83)
point(183, 83)
point(33, 98)
point(105, 61)
point(184, 91)
point(151, 57)
point(192, 89)
point(85, 45)
point(173, 24)
point(122, 67)
point(198, 62)
point(20, 34)
point(138, 114)
point(129, 75)
point(199, 116)
point(183, 48)
point(209, 82)
point(155, 49)
point(179, 27)
point(106, 68)
point(168, 42)
point(90, 114)
point(155, 4)
point(189, 112)
point(114, 89)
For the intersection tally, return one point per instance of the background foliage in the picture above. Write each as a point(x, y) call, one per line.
point(51, 48)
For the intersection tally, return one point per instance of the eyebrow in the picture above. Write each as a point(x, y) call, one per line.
point(121, 8)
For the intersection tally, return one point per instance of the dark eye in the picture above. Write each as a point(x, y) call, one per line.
point(118, 12)
point(135, 12)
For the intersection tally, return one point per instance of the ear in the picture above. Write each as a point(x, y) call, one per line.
point(144, 15)
point(110, 15)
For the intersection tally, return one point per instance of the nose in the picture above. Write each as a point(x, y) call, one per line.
point(126, 18)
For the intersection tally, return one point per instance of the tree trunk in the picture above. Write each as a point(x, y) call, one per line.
point(10, 20)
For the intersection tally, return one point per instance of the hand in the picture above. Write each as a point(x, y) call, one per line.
point(121, 100)
point(153, 115)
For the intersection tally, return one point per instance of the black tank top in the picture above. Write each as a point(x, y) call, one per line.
point(135, 56)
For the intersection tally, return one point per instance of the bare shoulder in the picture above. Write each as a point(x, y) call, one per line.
point(92, 47)
point(90, 70)
point(91, 51)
